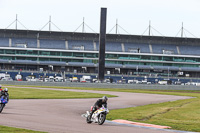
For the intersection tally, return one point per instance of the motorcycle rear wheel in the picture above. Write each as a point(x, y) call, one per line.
point(101, 119)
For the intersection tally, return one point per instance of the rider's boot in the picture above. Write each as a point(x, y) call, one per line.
point(90, 117)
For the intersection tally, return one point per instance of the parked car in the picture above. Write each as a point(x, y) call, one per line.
point(165, 82)
point(7, 79)
point(59, 79)
point(178, 83)
point(162, 82)
point(86, 79)
point(74, 79)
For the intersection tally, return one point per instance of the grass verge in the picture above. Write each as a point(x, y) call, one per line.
point(180, 115)
point(5, 129)
point(28, 93)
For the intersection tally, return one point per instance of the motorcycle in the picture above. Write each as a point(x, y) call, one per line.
point(3, 102)
point(99, 116)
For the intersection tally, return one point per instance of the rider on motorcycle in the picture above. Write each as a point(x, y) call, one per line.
point(5, 93)
point(99, 103)
point(0, 89)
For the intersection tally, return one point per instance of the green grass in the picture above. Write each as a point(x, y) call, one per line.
point(28, 93)
point(180, 115)
point(4, 129)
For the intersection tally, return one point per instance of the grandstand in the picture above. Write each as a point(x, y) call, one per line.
point(73, 51)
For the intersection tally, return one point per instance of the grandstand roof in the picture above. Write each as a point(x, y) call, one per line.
point(95, 37)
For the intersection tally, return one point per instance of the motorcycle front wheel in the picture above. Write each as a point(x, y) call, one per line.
point(1, 107)
point(101, 119)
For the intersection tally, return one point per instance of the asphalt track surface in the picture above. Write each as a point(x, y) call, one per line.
point(64, 115)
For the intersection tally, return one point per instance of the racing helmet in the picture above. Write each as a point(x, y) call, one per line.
point(105, 98)
point(6, 89)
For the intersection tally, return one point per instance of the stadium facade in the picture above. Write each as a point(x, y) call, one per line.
point(78, 52)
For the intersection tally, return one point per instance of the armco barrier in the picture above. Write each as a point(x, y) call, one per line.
point(104, 85)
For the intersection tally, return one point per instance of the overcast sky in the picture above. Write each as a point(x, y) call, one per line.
point(166, 16)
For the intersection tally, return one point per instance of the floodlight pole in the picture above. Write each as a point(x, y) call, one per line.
point(116, 25)
point(182, 30)
point(83, 29)
point(16, 22)
point(149, 28)
point(49, 23)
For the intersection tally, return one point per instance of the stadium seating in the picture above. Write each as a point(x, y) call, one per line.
point(144, 67)
point(158, 48)
point(160, 67)
point(113, 65)
point(110, 46)
point(189, 50)
point(30, 43)
point(4, 61)
point(195, 69)
point(4, 42)
point(80, 45)
point(113, 47)
point(36, 62)
point(24, 62)
point(152, 67)
point(80, 64)
point(129, 47)
point(52, 44)
point(174, 68)
point(56, 63)
point(131, 66)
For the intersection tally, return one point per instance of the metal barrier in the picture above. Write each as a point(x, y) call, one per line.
point(104, 85)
